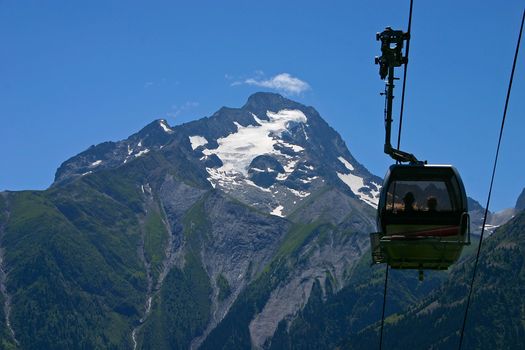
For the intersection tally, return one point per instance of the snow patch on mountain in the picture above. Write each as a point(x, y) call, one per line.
point(237, 150)
point(141, 153)
point(197, 141)
point(308, 179)
point(251, 183)
point(165, 126)
point(346, 163)
point(299, 193)
point(281, 176)
point(278, 211)
point(290, 166)
point(356, 183)
point(296, 148)
point(219, 177)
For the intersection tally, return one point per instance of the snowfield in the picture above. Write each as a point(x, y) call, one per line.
point(237, 150)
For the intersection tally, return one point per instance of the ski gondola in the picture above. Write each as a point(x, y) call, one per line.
point(422, 215)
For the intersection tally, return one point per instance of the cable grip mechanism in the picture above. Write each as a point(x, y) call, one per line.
point(392, 43)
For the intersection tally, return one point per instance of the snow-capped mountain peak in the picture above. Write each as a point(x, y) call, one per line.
point(237, 150)
point(272, 154)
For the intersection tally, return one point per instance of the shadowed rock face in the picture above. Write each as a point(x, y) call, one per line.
point(264, 169)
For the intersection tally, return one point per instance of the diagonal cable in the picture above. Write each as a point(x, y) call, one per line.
point(491, 183)
point(404, 77)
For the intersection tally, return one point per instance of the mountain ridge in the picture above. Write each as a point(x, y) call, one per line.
point(299, 161)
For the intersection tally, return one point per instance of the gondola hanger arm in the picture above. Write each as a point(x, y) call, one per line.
point(392, 43)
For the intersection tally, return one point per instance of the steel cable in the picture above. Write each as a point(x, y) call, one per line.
point(491, 183)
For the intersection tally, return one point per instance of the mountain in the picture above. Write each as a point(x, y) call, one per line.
point(503, 216)
point(208, 234)
point(424, 315)
point(270, 154)
point(245, 229)
point(110, 155)
point(496, 313)
point(494, 219)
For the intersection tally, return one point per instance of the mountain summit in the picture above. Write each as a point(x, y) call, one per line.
point(272, 154)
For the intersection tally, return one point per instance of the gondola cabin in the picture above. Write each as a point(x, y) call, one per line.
point(422, 218)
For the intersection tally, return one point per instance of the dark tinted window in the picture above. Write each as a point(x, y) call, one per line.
point(427, 195)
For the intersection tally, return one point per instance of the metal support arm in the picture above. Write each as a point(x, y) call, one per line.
point(392, 56)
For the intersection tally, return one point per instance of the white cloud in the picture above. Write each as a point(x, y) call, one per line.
point(283, 82)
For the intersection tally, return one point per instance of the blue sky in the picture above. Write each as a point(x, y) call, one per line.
point(73, 74)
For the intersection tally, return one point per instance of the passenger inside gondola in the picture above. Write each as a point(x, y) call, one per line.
point(408, 201)
point(432, 204)
point(421, 198)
